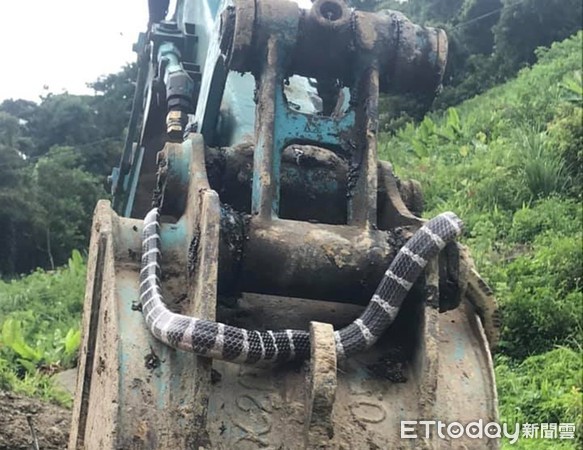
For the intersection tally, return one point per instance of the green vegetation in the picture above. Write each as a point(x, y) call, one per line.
point(508, 162)
point(544, 388)
point(40, 328)
point(54, 159)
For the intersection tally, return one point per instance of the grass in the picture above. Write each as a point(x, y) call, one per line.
point(39, 322)
point(507, 162)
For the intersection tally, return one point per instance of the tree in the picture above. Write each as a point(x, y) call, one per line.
point(62, 119)
point(525, 25)
point(21, 109)
point(477, 18)
point(66, 196)
point(15, 208)
point(113, 100)
point(54, 157)
point(9, 130)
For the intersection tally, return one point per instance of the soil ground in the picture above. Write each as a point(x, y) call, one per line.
point(18, 414)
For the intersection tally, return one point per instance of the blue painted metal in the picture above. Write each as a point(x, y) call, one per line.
point(120, 174)
point(301, 128)
point(293, 127)
point(131, 182)
point(238, 124)
point(131, 326)
point(237, 99)
point(174, 44)
point(169, 51)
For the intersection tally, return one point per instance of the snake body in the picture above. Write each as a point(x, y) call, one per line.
point(221, 341)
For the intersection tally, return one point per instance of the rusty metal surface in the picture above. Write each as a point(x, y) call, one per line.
point(264, 408)
point(311, 177)
point(98, 294)
point(398, 204)
point(251, 408)
point(282, 257)
point(320, 387)
point(482, 299)
point(221, 259)
point(410, 57)
point(362, 198)
point(136, 393)
point(364, 51)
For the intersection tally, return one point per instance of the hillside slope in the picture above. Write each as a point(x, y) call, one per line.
point(508, 162)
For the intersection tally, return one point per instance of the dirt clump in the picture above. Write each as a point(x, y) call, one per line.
point(18, 413)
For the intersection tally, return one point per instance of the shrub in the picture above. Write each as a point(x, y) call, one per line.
point(553, 215)
point(566, 136)
point(543, 170)
point(543, 304)
point(545, 388)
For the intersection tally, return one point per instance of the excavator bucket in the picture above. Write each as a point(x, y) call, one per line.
point(254, 133)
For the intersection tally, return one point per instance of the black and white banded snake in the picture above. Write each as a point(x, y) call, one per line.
point(221, 341)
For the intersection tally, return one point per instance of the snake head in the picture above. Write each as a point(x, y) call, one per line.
point(456, 223)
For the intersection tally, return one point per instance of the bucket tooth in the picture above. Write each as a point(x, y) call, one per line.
point(320, 387)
